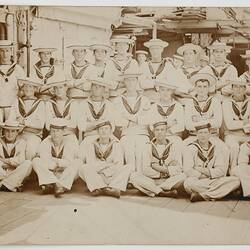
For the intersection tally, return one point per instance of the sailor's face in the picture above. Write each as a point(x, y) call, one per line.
point(121, 47)
point(131, 83)
point(203, 135)
point(165, 93)
point(104, 131)
point(56, 134)
point(29, 90)
point(202, 87)
point(160, 132)
point(189, 56)
point(238, 90)
point(156, 51)
point(10, 134)
point(219, 55)
point(45, 57)
point(5, 55)
point(100, 54)
point(61, 90)
point(97, 90)
point(79, 54)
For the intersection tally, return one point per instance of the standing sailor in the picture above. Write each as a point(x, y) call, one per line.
point(220, 68)
point(206, 171)
point(13, 166)
point(44, 70)
point(9, 73)
point(161, 173)
point(204, 107)
point(102, 51)
point(94, 108)
point(61, 106)
point(130, 107)
point(141, 57)
point(157, 67)
point(29, 111)
point(80, 71)
point(246, 75)
point(168, 109)
point(120, 63)
point(189, 52)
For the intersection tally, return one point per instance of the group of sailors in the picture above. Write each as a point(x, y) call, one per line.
point(161, 125)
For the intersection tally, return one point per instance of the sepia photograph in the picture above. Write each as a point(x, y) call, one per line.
point(124, 125)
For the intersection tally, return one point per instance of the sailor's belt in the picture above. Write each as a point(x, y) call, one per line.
point(32, 130)
point(3, 106)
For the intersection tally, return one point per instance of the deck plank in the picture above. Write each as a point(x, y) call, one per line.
point(222, 208)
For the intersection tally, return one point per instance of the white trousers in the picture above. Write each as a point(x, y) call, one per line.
point(14, 178)
point(94, 180)
point(234, 142)
point(243, 172)
point(212, 188)
point(151, 186)
point(46, 176)
point(132, 146)
point(32, 143)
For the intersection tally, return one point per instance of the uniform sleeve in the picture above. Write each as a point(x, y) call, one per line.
point(244, 154)
point(231, 124)
point(20, 154)
point(119, 156)
point(72, 122)
point(216, 120)
point(37, 119)
point(82, 117)
point(176, 157)
point(179, 118)
point(13, 112)
point(120, 115)
point(188, 117)
point(146, 81)
point(147, 161)
point(189, 162)
point(219, 169)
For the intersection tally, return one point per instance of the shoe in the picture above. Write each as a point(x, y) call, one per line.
point(196, 197)
point(170, 194)
point(4, 189)
point(96, 192)
point(47, 189)
point(59, 191)
point(113, 192)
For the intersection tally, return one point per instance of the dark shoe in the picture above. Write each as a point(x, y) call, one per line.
point(96, 192)
point(4, 189)
point(196, 197)
point(113, 192)
point(59, 191)
point(47, 189)
point(170, 194)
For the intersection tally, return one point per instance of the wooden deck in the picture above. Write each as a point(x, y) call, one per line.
point(77, 218)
